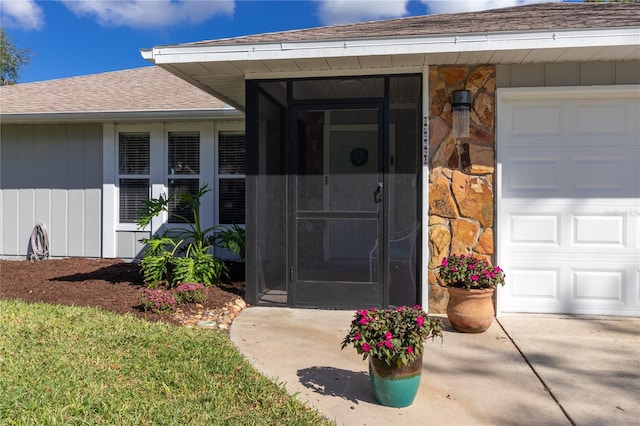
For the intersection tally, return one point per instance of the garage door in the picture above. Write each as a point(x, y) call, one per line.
point(569, 200)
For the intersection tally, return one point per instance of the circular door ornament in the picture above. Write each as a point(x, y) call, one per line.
point(359, 156)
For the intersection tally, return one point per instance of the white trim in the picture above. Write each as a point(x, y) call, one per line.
point(223, 127)
point(109, 191)
point(424, 264)
point(478, 42)
point(120, 117)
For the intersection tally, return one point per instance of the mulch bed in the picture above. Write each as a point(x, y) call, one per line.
point(110, 284)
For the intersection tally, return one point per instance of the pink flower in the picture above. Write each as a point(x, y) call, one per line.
point(380, 344)
point(474, 278)
point(366, 347)
point(417, 307)
point(471, 266)
point(420, 321)
point(388, 335)
point(409, 350)
point(357, 336)
point(363, 321)
point(388, 344)
point(444, 262)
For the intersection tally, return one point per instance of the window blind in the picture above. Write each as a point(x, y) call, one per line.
point(231, 199)
point(177, 187)
point(231, 154)
point(133, 153)
point(133, 192)
point(184, 153)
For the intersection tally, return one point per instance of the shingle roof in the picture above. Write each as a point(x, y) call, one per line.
point(533, 17)
point(133, 90)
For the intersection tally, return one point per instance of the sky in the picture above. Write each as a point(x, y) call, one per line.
point(68, 38)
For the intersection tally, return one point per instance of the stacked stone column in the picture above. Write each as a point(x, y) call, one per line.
point(461, 194)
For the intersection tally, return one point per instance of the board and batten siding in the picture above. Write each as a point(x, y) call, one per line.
point(568, 74)
point(51, 174)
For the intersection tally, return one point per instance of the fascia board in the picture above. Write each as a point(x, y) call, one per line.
point(120, 117)
point(396, 46)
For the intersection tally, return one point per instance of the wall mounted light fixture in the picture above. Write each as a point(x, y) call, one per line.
point(461, 105)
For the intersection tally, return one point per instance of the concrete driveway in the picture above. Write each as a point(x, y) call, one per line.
point(524, 370)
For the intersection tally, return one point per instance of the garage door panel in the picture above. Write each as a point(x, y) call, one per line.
point(601, 230)
point(539, 230)
point(571, 286)
point(571, 172)
point(539, 227)
point(598, 286)
point(526, 119)
point(600, 119)
point(569, 200)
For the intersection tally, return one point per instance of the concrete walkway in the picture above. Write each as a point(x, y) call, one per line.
point(524, 370)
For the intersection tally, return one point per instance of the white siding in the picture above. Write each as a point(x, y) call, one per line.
point(51, 174)
point(568, 74)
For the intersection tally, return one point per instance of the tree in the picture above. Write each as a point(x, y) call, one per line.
point(12, 59)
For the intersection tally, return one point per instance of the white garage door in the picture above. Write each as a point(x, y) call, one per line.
point(569, 200)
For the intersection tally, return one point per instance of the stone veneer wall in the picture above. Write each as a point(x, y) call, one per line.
point(461, 201)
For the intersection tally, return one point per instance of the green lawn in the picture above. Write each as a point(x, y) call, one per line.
point(70, 365)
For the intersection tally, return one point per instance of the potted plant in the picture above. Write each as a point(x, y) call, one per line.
point(471, 282)
point(393, 340)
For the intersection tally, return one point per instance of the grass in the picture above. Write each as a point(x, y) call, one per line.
point(71, 365)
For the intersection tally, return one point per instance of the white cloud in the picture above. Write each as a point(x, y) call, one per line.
point(149, 13)
point(23, 14)
point(455, 6)
point(332, 12)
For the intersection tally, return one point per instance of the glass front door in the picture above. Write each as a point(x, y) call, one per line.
point(337, 207)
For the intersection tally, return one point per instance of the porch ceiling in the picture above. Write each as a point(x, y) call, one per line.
point(225, 79)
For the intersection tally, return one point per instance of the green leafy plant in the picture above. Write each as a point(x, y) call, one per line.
point(194, 235)
point(190, 293)
point(158, 301)
point(465, 271)
point(395, 336)
point(183, 257)
point(158, 261)
point(233, 239)
point(196, 266)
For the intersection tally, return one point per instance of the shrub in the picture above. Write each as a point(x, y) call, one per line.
point(158, 301)
point(190, 293)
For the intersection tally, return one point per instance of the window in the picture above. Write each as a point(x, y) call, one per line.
point(133, 173)
point(183, 170)
point(231, 174)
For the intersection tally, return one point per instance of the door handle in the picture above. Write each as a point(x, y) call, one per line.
point(377, 194)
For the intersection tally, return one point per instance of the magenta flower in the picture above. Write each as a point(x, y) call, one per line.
point(420, 321)
point(366, 347)
point(474, 278)
point(444, 262)
point(388, 344)
point(388, 335)
point(357, 336)
point(409, 350)
point(363, 321)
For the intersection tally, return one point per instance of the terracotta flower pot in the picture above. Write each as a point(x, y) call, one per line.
point(395, 386)
point(470, 310)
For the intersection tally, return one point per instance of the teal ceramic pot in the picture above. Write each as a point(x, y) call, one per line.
point(395, 386)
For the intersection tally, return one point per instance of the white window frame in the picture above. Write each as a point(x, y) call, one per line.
point(222, 176)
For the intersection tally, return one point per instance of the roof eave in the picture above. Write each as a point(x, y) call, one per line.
point(120, 116)
point(476, 42)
